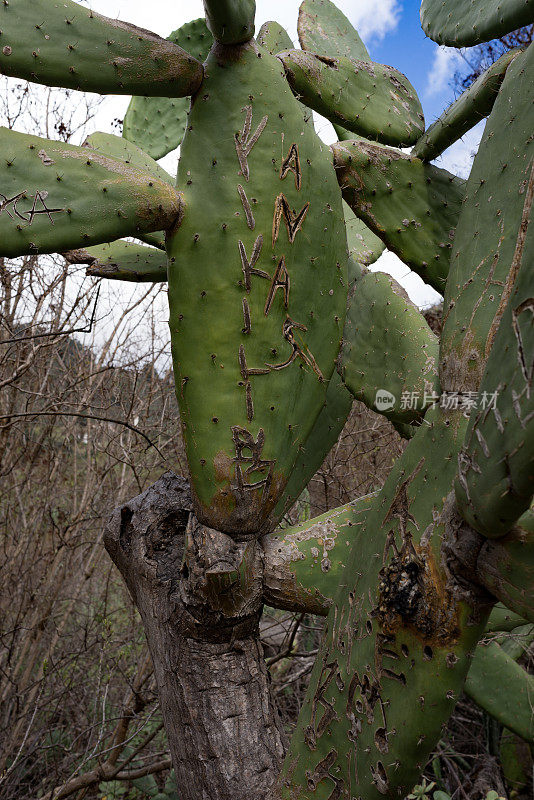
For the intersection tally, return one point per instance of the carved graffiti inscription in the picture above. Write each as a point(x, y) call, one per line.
point(249, 267)
point(291, 163)
point(11, 206)
point(293, 220)
point(245, 140)
point(246, 465)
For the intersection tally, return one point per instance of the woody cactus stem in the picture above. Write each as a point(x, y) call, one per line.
point(274, 330)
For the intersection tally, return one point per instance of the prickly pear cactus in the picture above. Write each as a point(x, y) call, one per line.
point(257, 305)
point(253, 243)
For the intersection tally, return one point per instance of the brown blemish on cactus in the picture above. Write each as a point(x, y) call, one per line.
point(291, 163)
point(516, 262)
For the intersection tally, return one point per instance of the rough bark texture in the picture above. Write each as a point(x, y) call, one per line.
point(225, 736)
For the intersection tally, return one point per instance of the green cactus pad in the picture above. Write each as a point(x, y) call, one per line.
point(126, 151)
point(324, 29)
point(492, 669)
point(472, 106)
point(506, 567)
point(66, 44)
point(323, 436)
point(412, 206)
point(304, 563)
point(58, 197)
point(364, 246)
point(370, 99)
point(257, 288)
point(385, 680)
point(274, 38)
point(123, 261)
point(325, 432)
point(389, 357)
point(495, 481)
point(502, 619)
point(489, 232)
point(463, 23)
point(157, 125)
point(231, 21)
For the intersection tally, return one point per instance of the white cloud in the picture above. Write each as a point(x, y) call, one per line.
point(372, 18)
point(446, 61)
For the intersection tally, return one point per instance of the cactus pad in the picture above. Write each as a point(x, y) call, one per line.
point(122, 261)
point(489, 231)
point(389, 358)
point(472, 106)
point(364, 246)
point(231, 21)
point(66, 44)
point(58, 197)
point(126, 151)
point(463, 23)
point(325, 30)
point(370, 99)
point(413, 207)
point(385, 679)
point(257, 305)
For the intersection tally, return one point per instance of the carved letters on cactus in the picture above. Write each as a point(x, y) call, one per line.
point(244, 143)
point(291, 163)
point(29, 215)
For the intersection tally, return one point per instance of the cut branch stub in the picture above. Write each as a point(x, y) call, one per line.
point(371, 99)
point(412, 206)
point(57, 197)
point(66, 44)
